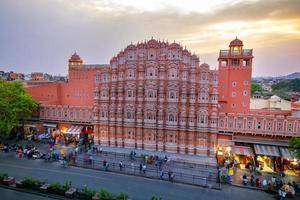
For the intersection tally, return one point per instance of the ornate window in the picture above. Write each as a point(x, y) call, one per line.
point(173, 73)
point(172, 95)
point(171, 118)
point(129, 94)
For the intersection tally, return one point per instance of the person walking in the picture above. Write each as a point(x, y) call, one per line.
point(161, 174)
point(144, 168)
point(169, 174)
point(172, 177)
point(141, 168)
point(121, 165)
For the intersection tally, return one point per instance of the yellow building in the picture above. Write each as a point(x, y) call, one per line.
point(273, 103)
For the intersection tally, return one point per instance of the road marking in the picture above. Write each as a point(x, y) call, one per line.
point(52, 170)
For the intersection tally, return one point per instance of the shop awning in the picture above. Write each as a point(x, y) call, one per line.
point(50, 125)
point(27, 125)
point(266, 150)
point(242, 150)
point(285, 153)
point(74, 130)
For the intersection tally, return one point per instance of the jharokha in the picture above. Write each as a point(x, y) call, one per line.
point(157, 96)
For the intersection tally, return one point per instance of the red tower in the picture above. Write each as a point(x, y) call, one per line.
point(235, 69)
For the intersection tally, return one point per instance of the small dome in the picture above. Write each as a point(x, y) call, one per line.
point(275, 98)
point(174, 45)
point(152, 43)
point(204, 65)
point(236, 42)
point(130, 47)
point(75, 58)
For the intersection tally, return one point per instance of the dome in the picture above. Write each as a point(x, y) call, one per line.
point(152, 43)
point(275, 98)
point(130, 47)
point(236, 42)
point(174, 45)
point(204, 66)
point(75, 58)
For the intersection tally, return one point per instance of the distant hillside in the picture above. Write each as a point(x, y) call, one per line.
point(285, 87)
point(291, 76)
point(286, 77)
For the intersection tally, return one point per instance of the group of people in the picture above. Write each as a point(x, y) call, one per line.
point(272, 184)
point(171, 175)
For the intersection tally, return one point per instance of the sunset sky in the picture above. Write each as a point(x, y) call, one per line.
point(40, 35)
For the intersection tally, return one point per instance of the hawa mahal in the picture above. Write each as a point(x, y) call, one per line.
point(156, 95)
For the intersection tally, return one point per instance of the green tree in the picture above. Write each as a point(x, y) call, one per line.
point(255, 87)
point(15, 105)
point(294, 146)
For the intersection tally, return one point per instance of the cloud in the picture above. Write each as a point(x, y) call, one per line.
point(40, 35)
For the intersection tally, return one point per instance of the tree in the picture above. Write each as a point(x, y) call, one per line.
point(255, 87)
point(15, 105)
point(294, 146)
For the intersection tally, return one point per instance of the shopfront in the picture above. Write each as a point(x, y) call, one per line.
point(72, 135)
point(224, 150)
point(244, 156)
point(268, 158)
point(290, 165)
point(49, 127)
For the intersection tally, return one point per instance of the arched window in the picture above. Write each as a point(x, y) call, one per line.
point(129, 115)
point(171, 118)
point(172, 95)
point(173, 73)
point(129, 93)
point(151, 72)
point(150, 94)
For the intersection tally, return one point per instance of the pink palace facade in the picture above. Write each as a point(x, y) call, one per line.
point(156, 95)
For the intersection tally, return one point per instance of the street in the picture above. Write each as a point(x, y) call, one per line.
point(136, 187)
point(7, 194)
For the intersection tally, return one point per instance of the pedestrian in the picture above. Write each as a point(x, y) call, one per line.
point(283, 194)
point(264, 183)
point(273, 179)
point(245, 179)
point(257, 182)
point(121, 165)
point(280, 193)
point(252, 180)
point(106, 166)
point(172, 177)
point(161, 174)
point(141, 168)
point(169, 174)
point(144, 169)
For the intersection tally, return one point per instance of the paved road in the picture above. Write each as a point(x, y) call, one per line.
point(7, 194)
point(138, 188)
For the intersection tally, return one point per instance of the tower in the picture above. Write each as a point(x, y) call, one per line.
point(75, 60)
point(235, 69)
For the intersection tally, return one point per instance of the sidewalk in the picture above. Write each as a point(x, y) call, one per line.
point(193, 159)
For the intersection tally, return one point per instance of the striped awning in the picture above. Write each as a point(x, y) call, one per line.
point(285, 153)
point(74, 130)
point(242, 150)
point(266, 150)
